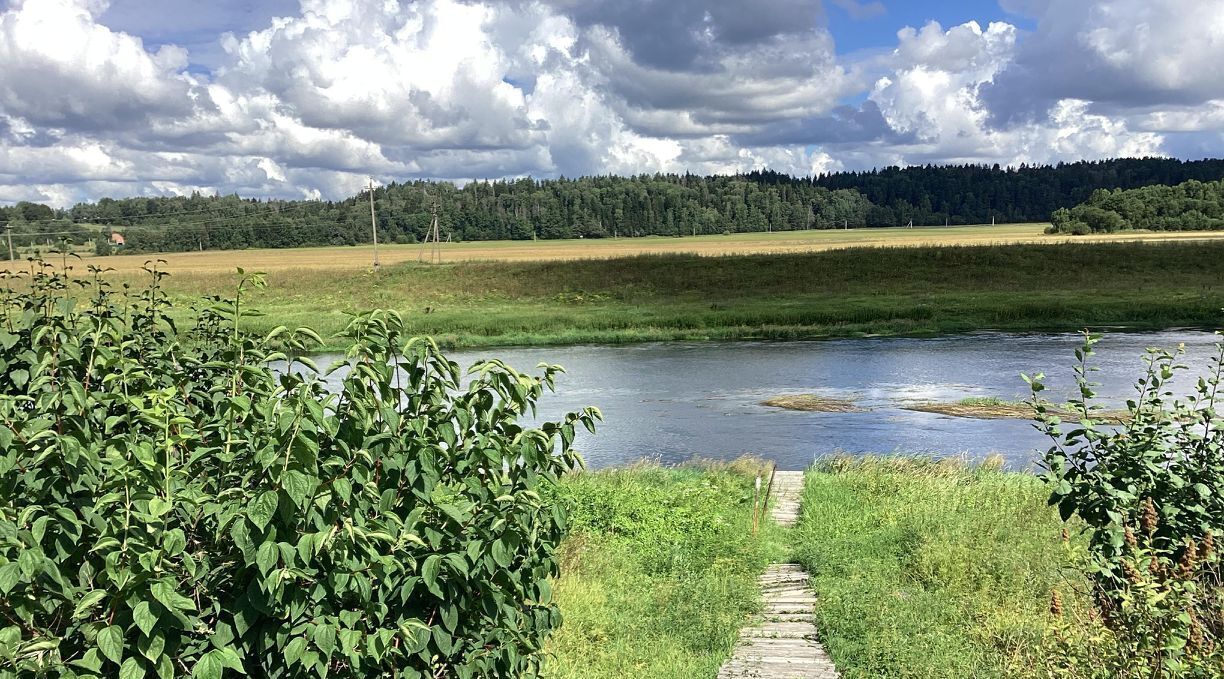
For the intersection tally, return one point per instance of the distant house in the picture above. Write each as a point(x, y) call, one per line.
point(117, 240)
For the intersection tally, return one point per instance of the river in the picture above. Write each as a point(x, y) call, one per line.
point(679, 400)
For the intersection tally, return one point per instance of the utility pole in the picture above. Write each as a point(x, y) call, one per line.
point(432, 234)
point(373, 226)
point(8, 230)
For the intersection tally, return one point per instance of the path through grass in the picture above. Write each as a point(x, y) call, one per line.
point(659, 573)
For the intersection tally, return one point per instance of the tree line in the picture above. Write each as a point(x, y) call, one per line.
point(602, 206)
point(1189, 206)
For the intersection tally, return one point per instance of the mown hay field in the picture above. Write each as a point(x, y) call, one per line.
point(362, 256)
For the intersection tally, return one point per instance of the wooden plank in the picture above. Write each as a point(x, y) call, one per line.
point(782, 643)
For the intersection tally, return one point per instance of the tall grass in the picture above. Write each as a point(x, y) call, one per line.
point(929, 569)
point(897, 290)
point(659, 573)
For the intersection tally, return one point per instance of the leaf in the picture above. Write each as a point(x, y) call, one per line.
point(110, 642)
point(29, 561)
point(145, 618)
point(262, 509)
point(167, 596)
point(87, 602)
point(152, 647)
point(502, 554)
point(209, 666)
point(267, 556)
point(131, 669)
point(158, 506)
point(429, 573)
point(10, 575)
point(293, 650)
point(89, 661)
point(298, 487)
point(325, 638)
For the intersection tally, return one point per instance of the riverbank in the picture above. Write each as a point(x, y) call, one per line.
point(932, 568)
point(839, 293)
point(659, 571)
point(920, 568)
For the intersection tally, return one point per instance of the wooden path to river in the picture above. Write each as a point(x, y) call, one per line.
point(782, 643)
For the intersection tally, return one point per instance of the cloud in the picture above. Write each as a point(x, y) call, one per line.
point(286, 99)
point(64, 70)
point(934, 96)
point(692, 35)
point(1118, 54)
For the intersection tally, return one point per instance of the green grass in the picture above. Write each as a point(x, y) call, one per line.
point(929, 569)
point(659, 573)
point(892, 291)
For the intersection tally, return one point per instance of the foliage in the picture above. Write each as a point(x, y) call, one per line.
point(659, 572)
point(199, 503)
point(978, 194)
point(1190, 206)
point(928, 568)
point(1148, 493)
point(598, 207)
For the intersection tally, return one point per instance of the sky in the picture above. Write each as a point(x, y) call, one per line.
point(313, 98)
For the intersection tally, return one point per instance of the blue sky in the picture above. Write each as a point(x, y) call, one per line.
point(289, 98)
point(878, 31)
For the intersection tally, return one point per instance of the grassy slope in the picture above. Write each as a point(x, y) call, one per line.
point(835, 293)
point(928, 569)
point(658, 574)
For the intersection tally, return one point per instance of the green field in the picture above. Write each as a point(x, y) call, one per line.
point(903, 290)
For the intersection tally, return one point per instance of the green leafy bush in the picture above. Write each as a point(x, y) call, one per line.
point(187, 504)
point(1149, 494)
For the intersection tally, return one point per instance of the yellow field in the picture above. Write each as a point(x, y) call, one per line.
point(744, 243)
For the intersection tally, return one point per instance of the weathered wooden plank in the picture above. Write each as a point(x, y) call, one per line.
point(783, 643)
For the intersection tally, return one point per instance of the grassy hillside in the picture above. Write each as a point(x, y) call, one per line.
point(903, 290)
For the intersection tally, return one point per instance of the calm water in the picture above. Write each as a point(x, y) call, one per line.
point(675, 401)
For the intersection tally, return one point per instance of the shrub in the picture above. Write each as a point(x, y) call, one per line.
point(1148, 493)
point(190, 506)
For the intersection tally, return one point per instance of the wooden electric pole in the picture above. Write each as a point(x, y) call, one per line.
point(374, 226)
point(8, 230)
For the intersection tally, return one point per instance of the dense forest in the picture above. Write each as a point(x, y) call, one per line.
point(1189, 206)
point(597, 207)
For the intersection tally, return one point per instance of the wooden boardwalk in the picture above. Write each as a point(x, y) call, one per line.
point(782, 644)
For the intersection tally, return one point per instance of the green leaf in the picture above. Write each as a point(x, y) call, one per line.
point(10, 575)
point(87, 602)
point(152, 647)
point(89, 661)
point(429, 573)
point(131, 669)
point(298, 487)
point(110, 642)
point(262, 509)
point(158, 506)
point(325, 638)
point(29, 561)
point(267, 556)
point(145, 618)
point(502, 554)
point(293, 650)
point(209, 666)
point(166, 595)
